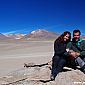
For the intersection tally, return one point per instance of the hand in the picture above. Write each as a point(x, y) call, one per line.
point(73, 54)
point(77, 54)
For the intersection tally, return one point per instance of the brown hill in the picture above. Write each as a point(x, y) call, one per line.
point(3, 37)
point(41, 34)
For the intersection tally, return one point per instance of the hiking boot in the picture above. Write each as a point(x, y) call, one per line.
point(83, 69)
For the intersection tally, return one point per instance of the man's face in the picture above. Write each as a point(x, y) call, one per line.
point(76, 36)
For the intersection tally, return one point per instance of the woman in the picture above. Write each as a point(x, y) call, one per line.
point(59, 58)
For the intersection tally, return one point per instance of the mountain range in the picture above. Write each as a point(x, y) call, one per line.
point(36, 34)
point(39, 34)
point(15, 36)
point(3, 37)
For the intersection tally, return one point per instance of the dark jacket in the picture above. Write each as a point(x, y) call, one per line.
point(73, 46)
point(59, 48)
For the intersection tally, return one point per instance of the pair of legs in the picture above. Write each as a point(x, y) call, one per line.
point(81, 63)
point(58, 62)
point(77, 62)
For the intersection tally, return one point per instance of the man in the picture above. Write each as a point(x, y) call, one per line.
point(76, 49)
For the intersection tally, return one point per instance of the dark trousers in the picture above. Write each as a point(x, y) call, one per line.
point(58, 62)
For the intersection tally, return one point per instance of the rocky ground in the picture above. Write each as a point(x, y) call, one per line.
point(40, 75)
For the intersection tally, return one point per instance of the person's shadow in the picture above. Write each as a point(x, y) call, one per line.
point(45, 81)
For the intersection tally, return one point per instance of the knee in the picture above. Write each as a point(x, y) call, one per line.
point(84, 59)
point(55, 58)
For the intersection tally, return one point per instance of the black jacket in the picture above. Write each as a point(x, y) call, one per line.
point(59, 48)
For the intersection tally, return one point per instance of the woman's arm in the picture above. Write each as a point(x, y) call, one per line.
point(58, 49)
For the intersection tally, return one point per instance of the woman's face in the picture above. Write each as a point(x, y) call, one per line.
point(66, 37)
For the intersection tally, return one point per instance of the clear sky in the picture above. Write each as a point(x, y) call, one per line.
point(24, 16)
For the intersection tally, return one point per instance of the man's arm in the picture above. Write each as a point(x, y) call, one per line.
point(70, 52)
point(81, 53)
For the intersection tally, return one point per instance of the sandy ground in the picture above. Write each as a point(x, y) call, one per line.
point(13, 54)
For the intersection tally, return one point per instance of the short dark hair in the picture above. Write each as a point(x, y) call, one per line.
point(75, 31)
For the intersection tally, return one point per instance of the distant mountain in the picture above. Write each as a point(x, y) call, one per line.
point(15, 36)
point(3, 37)
point(83, 36)
point(41, 34)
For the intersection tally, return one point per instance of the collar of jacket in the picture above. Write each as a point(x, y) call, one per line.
point(79, 42)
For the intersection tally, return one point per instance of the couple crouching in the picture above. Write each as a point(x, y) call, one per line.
point(66, 50)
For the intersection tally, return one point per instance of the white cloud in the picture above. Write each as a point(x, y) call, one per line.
point(16, 31)
point(11, 32)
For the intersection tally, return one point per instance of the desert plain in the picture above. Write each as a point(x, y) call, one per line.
point(14, 53)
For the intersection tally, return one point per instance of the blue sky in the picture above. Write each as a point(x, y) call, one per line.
point(24, 16)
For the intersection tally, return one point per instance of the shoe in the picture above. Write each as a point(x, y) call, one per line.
point(83, 69)
point(52, 78)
